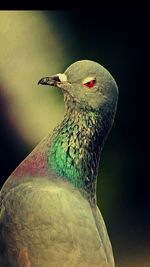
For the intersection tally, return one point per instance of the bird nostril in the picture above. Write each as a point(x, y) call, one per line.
point(56, 78)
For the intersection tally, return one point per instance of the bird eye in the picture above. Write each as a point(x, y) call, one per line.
point(90, 83)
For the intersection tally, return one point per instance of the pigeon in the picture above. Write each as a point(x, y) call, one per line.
point(48, 208)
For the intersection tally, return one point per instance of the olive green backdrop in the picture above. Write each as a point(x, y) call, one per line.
point(34, 44)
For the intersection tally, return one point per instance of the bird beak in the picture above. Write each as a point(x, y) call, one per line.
point(55, 80)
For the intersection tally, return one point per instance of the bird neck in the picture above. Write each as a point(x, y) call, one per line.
point(74, 150)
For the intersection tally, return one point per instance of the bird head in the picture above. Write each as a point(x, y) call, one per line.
point(86, 85)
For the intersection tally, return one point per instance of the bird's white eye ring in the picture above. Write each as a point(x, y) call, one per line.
point(90, 83)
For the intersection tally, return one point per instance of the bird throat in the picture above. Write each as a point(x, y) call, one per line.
point(74, 150)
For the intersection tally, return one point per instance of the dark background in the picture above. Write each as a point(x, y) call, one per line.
point(119, 41)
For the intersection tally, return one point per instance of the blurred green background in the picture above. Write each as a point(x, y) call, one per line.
point(34, 44)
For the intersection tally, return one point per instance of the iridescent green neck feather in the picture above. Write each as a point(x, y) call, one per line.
point(75, 147)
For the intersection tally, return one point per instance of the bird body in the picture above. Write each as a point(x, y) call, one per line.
point(48, 211)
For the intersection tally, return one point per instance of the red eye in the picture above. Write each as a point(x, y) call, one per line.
point(90, 83)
